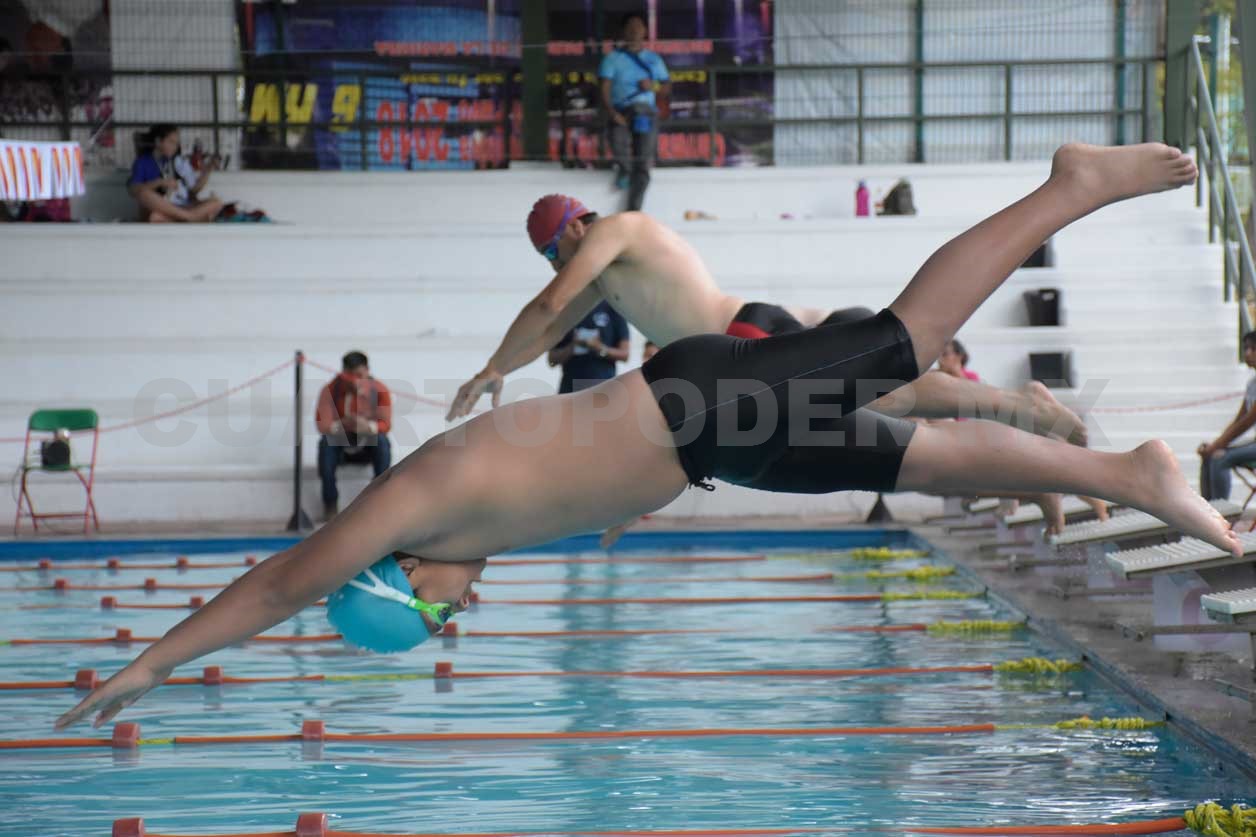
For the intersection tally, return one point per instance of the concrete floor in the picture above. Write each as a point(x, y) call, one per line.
point(1207, 696)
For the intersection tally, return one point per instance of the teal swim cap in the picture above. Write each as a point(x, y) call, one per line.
point(377, 610)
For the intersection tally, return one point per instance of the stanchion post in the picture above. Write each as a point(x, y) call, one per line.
point(299, 520)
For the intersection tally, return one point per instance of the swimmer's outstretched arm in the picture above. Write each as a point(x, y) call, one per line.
point(380, 521)
point(557, 309)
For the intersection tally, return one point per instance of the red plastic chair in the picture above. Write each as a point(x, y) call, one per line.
point(49, 422)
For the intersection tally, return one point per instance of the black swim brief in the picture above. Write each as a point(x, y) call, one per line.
point(756, 320)
point(782, 413)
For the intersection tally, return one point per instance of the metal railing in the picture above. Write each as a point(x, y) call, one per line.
point(706, 115)
point(713, 102)
point(1223, 207)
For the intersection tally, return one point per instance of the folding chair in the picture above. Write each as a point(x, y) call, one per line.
point(1247, 476)
point(49, 422)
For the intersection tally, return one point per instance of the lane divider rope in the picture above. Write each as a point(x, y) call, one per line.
point(451, 631)
point(875, 553)
point(1207, 818)
point(918, 574)
point(86, 679)
point(111, 603)
point(127, 736)
point(181, 563)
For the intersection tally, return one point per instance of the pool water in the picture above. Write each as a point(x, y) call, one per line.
point(856, 784)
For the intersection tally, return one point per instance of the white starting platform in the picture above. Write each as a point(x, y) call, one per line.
point(1202, 596)
point(979, 515)
point(1025, 529)
point(1088, 542)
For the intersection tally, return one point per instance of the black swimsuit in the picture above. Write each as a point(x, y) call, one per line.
point(807, 386)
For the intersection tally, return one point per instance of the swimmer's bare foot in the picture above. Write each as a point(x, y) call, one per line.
point(1102, 175)
point(1156, 486)
point(1100, 507)
point(1053, 418)
point(1052, 511)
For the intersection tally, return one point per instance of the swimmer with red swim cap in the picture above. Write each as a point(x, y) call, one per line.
point(659, 283)
point(656, 279)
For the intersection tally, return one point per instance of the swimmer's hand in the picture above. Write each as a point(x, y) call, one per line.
point(486, 381)
point(114, 695)
point(612, 535)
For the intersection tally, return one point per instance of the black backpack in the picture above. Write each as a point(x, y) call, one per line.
point(899, 201)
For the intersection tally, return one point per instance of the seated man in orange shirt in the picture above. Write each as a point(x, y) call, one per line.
point(354, 415)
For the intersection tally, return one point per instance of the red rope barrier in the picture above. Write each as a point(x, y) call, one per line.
point(1181, 405)
point(176, 411)
point(432, 402)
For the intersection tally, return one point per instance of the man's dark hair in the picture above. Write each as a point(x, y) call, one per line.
point(1249, 339)
point(587, 218)
point(161, 130)
point(624, 21)
point(959, 349)
point(353, 360)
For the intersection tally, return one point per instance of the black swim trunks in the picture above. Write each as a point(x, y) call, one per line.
point(782, 413)
point(756, 320)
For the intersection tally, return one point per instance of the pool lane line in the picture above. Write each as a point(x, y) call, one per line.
point(126, 735)
point(1207, 818)
point(111, 603)
point(86, 679)
point(971, 627)
point(180, 563)
point(183, 563)
point(919, 574)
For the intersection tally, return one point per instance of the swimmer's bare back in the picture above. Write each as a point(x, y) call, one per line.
point(661, 285)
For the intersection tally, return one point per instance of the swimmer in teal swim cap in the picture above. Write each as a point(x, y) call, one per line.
point(380, 609)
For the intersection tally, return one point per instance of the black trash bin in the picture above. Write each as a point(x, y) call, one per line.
point(1043, 306)
point(1055, 369)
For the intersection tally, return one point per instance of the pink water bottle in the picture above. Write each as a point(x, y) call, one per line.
point(861, 200)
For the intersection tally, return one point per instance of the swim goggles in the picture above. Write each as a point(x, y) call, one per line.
point(550, 251)
point(438, 612)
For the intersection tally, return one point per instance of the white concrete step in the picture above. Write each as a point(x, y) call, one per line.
point(395, 308)
point(506, 196)
point(884, 247)
point(1165, 421)
point(1221, 379)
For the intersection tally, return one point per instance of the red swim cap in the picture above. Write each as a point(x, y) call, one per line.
point(549, 215)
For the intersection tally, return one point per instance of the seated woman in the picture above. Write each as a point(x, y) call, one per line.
point(165, 185)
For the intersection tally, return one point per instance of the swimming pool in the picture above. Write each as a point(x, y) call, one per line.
point(592, 772)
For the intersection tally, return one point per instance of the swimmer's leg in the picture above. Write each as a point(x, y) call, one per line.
point(958, 277)
point(970, 457)
point(939, 395)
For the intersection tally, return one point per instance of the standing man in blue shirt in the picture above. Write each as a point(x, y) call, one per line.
point(589, 352)
point(631, 77)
